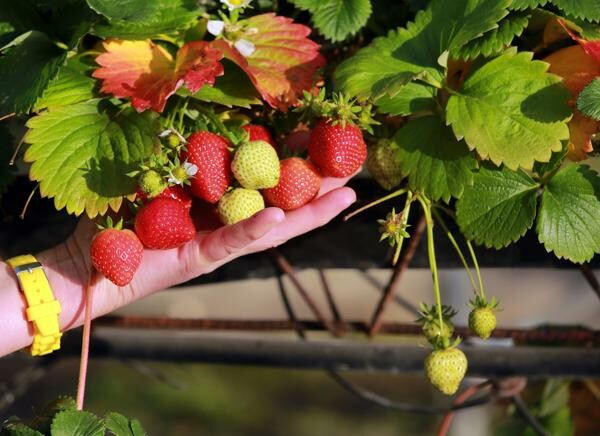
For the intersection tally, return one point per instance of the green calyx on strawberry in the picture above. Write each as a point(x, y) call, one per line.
point(256, 165)
point(164, 223)
point(239, 204)
point(299, 183)
point(393, 228)
point(209, 152)
point(482, 318)
point(430, 323)
point(446, 367)
point(116, 253)
point(339, 109)
point(382, 165)
point(336, 145)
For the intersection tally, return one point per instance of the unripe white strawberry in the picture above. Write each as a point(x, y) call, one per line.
point(256, 165)
point(239, 204)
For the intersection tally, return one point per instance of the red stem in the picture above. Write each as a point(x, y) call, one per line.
point(460, 399)
point(85, 344)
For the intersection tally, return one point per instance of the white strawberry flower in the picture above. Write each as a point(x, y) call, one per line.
point(245, 47)
point(189, 169)
point(235, 4)
point(215, 27)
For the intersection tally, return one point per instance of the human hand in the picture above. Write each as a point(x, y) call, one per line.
point(69, 267)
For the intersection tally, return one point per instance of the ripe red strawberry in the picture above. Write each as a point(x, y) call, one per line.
point(210, 154)
point(117, 254)
point(338, 151)
point(164, 223)
point(176, 192)
point(260, 133)
point(299, 182)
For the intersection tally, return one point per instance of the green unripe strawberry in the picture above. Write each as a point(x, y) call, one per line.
point(482, 321)
point(239, 204)
point(173, 141)
point(445, 369)
point(151, 183)
point(430, 323)
point(382, 165)
point(433, 332)
point(256, 165)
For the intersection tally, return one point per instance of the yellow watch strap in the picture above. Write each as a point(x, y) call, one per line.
point(42, 308)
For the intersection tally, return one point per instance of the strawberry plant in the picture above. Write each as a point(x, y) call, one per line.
point(481, 112)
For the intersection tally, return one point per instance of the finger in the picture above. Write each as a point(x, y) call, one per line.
point(315, 214)
point(232, 239)
point(330, 183)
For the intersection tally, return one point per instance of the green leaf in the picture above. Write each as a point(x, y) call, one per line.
point(337, 19)
point(82, 153)
point(26, 70)
point(554, 397)
point(588, 101)
point(139, 19)
point(22, 16)
point(71, 19)
point(496, 40)
point(511, 111)
point(443, 26)
point(7, 171)
point(559, 423)
point(413, 98)
point(233, 88)
point(432, 159)
point(568, 221)
point(61, 20)
point(586, 9)
point(542, 169)
point(14, 427)
point(72, 85)
point(7, 34)
point(499, 208)
point(121, 426)
point(76, 423)
point(519, 5)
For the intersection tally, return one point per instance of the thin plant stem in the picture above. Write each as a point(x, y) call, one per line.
point(431, 253)
point(17, 149)
point(182, 114)
point(476, 264)
point(213, 118)
point(28, 201)
point(457, 248)
point(7, 116)
point(85, 344)
point(375, 203)
point(405, 214)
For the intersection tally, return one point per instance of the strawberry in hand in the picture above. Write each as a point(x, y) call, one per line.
point(164, 223)
point(299, 182)
point(338, 150)
point(116, 253)
point(210, 153)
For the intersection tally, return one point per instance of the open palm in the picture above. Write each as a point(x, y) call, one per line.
point(160, 269)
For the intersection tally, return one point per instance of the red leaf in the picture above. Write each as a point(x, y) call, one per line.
point(147, 73)
point(592, 48)
point(284, 62)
